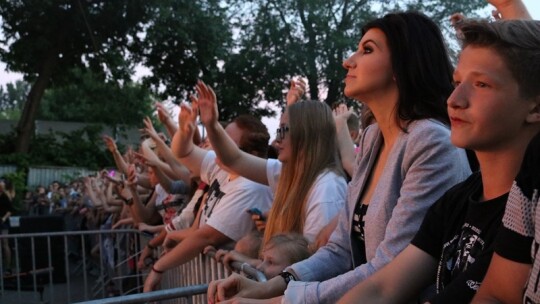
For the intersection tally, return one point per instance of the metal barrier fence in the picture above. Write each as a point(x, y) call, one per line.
point(63, 267)
point(44, 275)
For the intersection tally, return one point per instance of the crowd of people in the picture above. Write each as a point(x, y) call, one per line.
point(408, 201)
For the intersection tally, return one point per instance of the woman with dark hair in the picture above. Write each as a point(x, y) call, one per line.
point(401, 71)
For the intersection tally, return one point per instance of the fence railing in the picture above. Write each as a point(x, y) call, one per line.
point(63, 267)
point(100, 267)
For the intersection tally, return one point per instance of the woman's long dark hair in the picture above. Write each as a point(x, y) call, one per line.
point(421, 65)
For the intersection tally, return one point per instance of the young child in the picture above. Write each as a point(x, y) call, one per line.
point(281, 251)
point(495, 111)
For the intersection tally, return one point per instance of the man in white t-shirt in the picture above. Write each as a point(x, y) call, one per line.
point(223, 218)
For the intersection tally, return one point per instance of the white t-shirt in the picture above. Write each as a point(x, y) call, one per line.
point(161, 194)
point(228, 200)
point(187, 216)
point(326, 197)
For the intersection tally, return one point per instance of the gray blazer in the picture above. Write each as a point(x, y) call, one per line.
point(422, 165)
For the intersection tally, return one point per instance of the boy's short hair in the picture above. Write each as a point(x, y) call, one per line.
point(255, 135)
point(517, 42)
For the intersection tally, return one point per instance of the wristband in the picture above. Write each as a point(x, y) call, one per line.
point(156, 271)
point(287, 277)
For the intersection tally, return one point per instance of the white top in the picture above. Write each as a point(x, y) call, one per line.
point(326, 197)
point(228, 200)
point(187, 216)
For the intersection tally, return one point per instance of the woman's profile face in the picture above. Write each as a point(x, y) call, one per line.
point(369, 69)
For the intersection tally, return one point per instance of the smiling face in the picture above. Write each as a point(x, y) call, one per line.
point(369, 68)
point(485, 109)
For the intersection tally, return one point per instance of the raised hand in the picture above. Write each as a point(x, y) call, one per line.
point(207, 102)
point(150, 158)
point(456, 20)
point(186, 122)
point(162, 113)
point(509, 9)
point(341, 114)
point(110, 143)
point(149, 128)
point(296, 91)
point(132, 177)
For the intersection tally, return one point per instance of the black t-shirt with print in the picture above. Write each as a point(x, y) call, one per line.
point(459, 231)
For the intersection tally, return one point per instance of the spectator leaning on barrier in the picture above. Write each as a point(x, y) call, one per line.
point(495, 111)
point(405, 162)
point(307, 177)
point(223, 219)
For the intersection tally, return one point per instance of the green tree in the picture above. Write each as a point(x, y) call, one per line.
point(281, 39)
point(12, 98)
point(185, 40)
point(45, 39)
point(90, 97)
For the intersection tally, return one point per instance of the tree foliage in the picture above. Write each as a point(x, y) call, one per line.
point(77, 148)
point(310, 38)
point(46, 39)
point(91, 98)
point(84, 51)
point(12, 98)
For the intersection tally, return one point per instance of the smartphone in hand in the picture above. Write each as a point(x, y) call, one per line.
point(256, 211)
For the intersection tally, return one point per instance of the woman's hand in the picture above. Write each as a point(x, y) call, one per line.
point(162, 113)
point(110, 143)
point(149, 129)
point(186, 122)
point(233, 286)
point(296, 91)
point(207, 102)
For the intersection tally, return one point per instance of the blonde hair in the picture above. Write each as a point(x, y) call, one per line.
point(293, 245)
point(314, 150)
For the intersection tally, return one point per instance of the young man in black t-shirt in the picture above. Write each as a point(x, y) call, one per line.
point(494, 111)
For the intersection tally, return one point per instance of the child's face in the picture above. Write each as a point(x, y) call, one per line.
point(274, 261)
point(485, 109)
